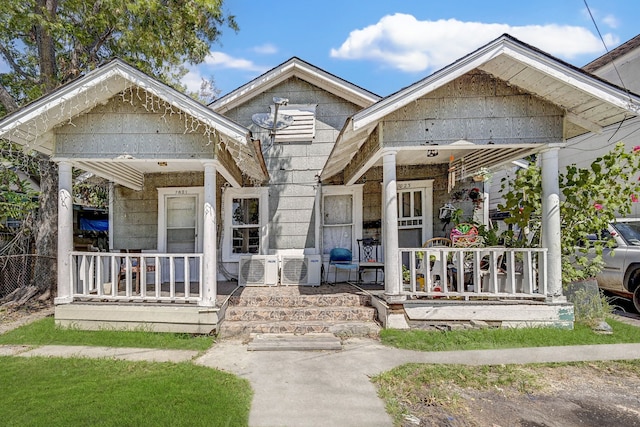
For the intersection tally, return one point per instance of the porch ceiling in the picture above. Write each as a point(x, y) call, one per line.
point(130, 172)
point(588, 102)
point(467, 159)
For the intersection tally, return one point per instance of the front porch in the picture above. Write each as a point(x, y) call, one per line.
point(500, 287)
point(124, 308)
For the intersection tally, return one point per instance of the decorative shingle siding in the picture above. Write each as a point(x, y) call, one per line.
point(293, 166)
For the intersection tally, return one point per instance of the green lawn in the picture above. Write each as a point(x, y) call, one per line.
point(102, 392)
point(44, 332)
point(484, 339)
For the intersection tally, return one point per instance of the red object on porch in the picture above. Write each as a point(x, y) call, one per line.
point(465, 235)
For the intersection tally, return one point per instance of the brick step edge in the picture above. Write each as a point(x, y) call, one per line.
point(300, 301)
point(299, 313)
point(341, 329)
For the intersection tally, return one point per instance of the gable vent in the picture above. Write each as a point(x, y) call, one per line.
point(303, 127)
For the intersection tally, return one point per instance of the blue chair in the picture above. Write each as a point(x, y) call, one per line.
point(341, 259)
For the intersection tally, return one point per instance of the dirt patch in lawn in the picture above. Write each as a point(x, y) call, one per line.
point(14, 317)
point(585, 394)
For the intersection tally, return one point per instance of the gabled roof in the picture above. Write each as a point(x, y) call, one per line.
point(295, 67)
point(589, 102)
point(611, 56)
point(32, 125)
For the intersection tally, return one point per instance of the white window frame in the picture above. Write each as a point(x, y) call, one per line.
point(260, 193)
point(163, 192)
point(356, 215)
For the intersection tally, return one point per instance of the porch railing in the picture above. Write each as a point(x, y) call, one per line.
point(475, 272)
point(136, 276)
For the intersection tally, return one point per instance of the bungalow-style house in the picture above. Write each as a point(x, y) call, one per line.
point(263, 184)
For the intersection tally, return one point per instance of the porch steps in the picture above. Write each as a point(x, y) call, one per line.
point(291, 342)
point(296, 313)
point(341, 310)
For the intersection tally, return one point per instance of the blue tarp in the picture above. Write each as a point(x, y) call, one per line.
point(87, 224)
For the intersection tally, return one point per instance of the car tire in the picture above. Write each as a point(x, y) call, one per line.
point(636, 298)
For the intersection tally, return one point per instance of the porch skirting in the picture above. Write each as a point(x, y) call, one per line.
point(505, 313)
point(157, 317)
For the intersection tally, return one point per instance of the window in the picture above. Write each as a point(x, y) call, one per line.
point(341, 217)
point(245, 226)
point(245, 222)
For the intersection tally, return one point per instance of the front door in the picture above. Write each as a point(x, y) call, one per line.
point(415, 208)
point(179, 229)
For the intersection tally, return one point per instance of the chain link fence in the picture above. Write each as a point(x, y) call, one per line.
point(19, 271)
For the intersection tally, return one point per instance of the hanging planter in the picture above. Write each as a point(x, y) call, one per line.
point(476, 197)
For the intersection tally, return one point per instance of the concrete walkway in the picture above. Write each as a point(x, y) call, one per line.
point(326, 388)
point(333, 388)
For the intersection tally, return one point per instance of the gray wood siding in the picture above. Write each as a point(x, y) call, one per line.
point(478, 108)
point(118, 128)
point(293, 166)
point(135, 213)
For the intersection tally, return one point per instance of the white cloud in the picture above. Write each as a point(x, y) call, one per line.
point(401, 41)
point(217, 61)
point(192, 80)
point(611, 21)
point(222, 60)
point(266, 49)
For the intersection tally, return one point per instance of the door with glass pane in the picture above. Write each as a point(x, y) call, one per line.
point(181, 234)
point(337, 222)
point(411, 218)
point(182, 229)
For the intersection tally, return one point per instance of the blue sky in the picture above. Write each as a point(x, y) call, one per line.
point(385, 45)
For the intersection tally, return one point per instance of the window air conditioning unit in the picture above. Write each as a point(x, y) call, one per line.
point(304, 270)
point(258, 270)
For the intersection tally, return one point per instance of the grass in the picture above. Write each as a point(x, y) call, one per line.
point(411, 387)
point(101, 392)
point(486, 339)
point(44, 332)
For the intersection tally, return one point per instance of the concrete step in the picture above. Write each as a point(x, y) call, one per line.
point(323, 300)
point(344, 313)
point(243, 329)
point(291, 342)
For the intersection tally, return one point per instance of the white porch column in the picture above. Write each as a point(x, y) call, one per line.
point(209, 267)
point(65, 232)
point(551, 237)
point(391, 250)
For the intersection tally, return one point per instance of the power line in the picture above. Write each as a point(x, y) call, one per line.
point(612, 61)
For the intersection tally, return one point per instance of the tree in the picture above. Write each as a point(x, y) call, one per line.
point(590, 199)
point(46, 43)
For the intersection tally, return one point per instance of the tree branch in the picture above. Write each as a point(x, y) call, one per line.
point(7, 101)
point(14, 66)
